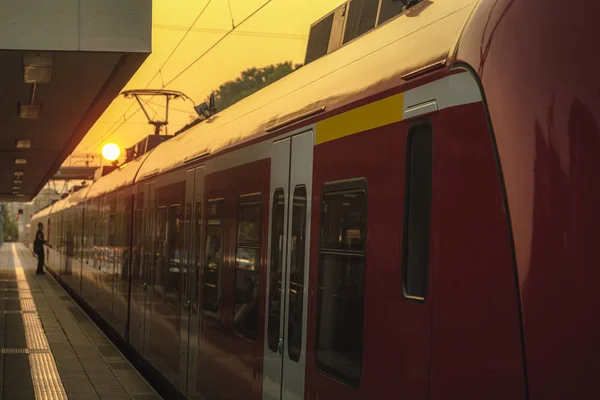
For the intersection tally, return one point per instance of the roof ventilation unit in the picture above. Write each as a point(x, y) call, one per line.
point(352, 19)
point(362, 17)
point(326, 34)
point(390, 8)
point(144, 146)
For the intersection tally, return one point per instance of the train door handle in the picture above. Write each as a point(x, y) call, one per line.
point(186, 305)
point(280, 346)
point(145, 285)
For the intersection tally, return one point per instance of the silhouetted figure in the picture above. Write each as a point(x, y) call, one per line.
point(38, 248)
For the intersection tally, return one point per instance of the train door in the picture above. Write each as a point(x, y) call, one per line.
point(60, 256)
point(149, 260)
point(50, 241)
point(287, 271)
point(192, 256)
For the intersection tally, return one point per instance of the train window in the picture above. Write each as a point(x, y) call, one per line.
point(49, 231)
point(187, 261)
point(361, 18)
point(389, 9)
point(112, 231)
point(277, 223)
point(341, 281)
point(417, 212)
point(296, 295)
point(247, 266)
point(126, 244)
point(160, 246)
point(151, 245)
point(195, 259)
point(214, 258)
point(172, 271)
point(94, 241)
point(137, 248)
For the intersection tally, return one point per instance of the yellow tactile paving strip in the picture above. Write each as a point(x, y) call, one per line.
point(44, 373)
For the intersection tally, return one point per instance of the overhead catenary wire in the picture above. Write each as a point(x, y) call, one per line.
point(158, 72)
point(184, 70)
point(180, 42)
point(172, 108)
point(231, 14)
point(266, 35)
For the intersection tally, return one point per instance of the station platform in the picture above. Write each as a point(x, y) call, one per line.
point(51, 349)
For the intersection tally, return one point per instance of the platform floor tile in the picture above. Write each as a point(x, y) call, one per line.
point(50, 349)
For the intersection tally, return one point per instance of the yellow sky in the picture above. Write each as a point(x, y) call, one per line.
point(276, 34)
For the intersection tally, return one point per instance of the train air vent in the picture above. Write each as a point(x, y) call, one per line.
point(389, 9)
point(326, 34)
point(144, 146)
point(362, 17)
point(349, 21)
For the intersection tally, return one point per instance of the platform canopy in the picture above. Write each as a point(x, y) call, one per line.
point(62, 62)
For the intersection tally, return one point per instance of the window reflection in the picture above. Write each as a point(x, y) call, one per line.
point(276, 263)
point(214, 258)
point(297, 265)
point(343, 222)
point(195, 258)
point(186, 251)
point(160, 248)
point(340, 291)
point(247, 267)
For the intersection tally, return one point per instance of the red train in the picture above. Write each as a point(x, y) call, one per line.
point(413, 216)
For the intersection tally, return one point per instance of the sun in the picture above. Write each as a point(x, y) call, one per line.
point(111, 151)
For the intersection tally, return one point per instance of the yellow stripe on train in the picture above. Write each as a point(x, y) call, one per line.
point(373, 115)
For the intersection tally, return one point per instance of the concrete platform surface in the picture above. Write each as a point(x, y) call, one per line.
point(50, 349)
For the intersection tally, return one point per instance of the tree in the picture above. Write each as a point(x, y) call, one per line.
point(251, 81)
point(10, 233)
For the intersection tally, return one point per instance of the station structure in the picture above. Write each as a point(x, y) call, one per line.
point(62, 62)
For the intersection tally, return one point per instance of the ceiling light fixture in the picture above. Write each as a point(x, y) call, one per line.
point(29, 111)
point(37, 67)
point(17, 182)
point(16, 187)
point(19, 173)
point(23, 144)
point(20, 195)
point(20, 161)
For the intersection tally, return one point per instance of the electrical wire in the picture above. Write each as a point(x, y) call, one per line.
point(269, 35)
point(171, 108)
point(231, 14)
point(228, 33)
point(179, 43)
point(158, 72)
point(152, 109)
point(217, 43)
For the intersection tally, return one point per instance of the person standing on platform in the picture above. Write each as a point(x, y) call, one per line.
point(38, 248)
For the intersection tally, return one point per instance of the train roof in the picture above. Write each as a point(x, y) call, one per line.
point(71, 200)
point(423, 36)
point(43, 213)
point(118, 178)
point(403, 45)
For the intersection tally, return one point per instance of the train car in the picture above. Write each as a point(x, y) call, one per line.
point(411, 216)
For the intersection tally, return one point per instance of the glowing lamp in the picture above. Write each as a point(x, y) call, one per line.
point(111, 151)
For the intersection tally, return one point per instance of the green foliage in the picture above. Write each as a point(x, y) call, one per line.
point(10, 231)
point(251, 81)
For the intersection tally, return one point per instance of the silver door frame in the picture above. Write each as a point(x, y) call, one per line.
point(272, 361)
point(301, 174)
point(149, 265)
point(291, 165)
point(190, 316)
